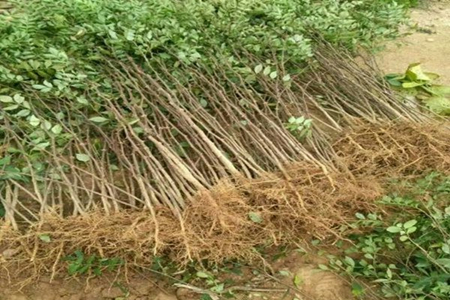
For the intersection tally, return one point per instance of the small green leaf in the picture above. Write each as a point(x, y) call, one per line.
point(11, 107)
point(82, 100)
point(349, 261)
point(267, 70)
point(83, 157)
point(45, 238)
point(6, 99)
point(412, 84)
point(357, 289)
point(394, 229)
point(98, 119)
point(273, 75)
point(409, 224)
point(360, 216)
point(255, 217)
point(445, 262)
point(297, 281)
point(57, 129)
point(258, 69)
point(201, 274)
point(34, 121)
point(23, 113)
point(286, 77)
point(438, 104)
point(73, 269)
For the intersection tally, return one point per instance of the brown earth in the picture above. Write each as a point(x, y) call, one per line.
point(428, 42)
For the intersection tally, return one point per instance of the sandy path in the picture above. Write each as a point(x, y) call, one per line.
point(429, 43)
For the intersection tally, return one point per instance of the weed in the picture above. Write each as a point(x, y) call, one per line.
point(421, 85)
point(408, 252)
point(80, 264)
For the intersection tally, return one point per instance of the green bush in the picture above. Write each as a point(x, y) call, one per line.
point(407, 252)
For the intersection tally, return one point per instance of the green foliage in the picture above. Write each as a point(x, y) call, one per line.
point(300, 127)
point(80, 264)
point(56, 76)
point(408, 254)
point(420, 84)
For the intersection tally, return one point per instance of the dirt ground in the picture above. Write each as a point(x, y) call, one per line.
point(427, 43)
point(253, 283)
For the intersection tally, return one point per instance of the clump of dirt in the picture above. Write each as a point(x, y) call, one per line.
point(395, 150)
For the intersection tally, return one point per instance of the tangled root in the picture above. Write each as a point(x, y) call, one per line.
point(395, 150)
point(225, 222)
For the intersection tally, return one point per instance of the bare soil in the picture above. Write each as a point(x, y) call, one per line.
point(253, 283)
point(427, 42)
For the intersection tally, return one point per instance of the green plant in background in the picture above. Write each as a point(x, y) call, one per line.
point(407, 254)
point(419, 84)
point(80, 264)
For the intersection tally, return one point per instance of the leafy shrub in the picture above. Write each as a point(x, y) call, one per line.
point(57, 75)
point(408, 254)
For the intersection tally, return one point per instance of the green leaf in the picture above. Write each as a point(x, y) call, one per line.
point(82, 100)
point(360, 216)
point(45, 238)
point(394, 229)
point(414, 73)
point(409, 224)
point(409, 85)
point(98, 119)
point(73, 269)
point(11, 107)
point(445, 262)
point(404, 238)
point(438, 104)
point(34, 121)
point(349, 261)
point(23, 113)
point(112, 34)
point(286, 77)
point(273, 75)
point(6, 99)
point(411, 230)
point(82, 157)
point(129, 35)
point(57, 129)
point(255, 217)
point(201, 274)
point(297, 281)
point(267, 70)
point(258, 69)
point(205, 297)
point(439, 90)
point(357, 289)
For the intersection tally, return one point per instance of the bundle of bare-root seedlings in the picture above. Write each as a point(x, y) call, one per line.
point(213, 166)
